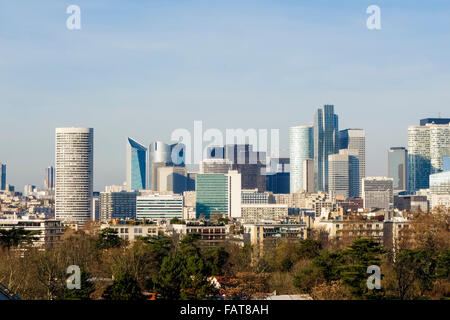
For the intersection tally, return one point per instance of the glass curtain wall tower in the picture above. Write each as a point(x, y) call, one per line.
point(136, 165)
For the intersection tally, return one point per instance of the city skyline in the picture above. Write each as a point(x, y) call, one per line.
point(239, 65)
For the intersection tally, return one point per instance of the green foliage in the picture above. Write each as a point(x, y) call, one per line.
point(308, 249)
point(443, 265)
point(361, 254)
point(124, 287)
point(108, 238)
point(87, 288)
point(215, 258)
point(184, 274)
point(16, 236)
point(177, 221)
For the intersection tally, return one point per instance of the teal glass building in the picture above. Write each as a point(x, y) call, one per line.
point(211, 195)
point(326, 142)
point(136, 165)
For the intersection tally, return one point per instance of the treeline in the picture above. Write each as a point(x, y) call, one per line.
point(113, 269)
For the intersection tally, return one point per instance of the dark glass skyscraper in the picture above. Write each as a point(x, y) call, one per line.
point(2, 176)
point(49, 179)
point(397, 167)
point(136, 165)
point(326, 131)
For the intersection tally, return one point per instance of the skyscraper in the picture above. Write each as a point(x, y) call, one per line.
point(74, 169)
point(338, 175)
point(136, 166)
point(427, 146)
point(301, 148)
point(397, 167)
point(159, 155)
point(343, 172)
point(49, 178)
point(2, 176)
point(218, 194)
point(326, 130)
point(355, 139)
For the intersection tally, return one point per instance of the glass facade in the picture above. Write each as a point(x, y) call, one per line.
point(2, 176)
point(211, 194)
point(159, 207)
point(397, 167)
point(326, 142)
point(440, 183)
point(427, 146)
point(136, 165)
point(301, 147)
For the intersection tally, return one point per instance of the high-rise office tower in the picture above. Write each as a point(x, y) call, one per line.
point(118, 205)
point(397, 167)
point(278, 178)
point(377, 192)
point(49, 178)
point(301, 147)
point(159, 155)
point(354, 181)
point(250, 164)
point(343, 174)
point(326, 129)
point(74, 169)
point(218, 194)
point(2, 176)
point(215, 166)
point(423, 122)
point(136, 166)
point(308, 175)
point(427, 146)
point(338, 175)
point(172, 178)
point(355, 139)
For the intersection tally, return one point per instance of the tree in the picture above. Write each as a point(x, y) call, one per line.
point(361, 254)
point(215, 258)
point(184, 274)
point(16, 236)
point(177, 221)
point(124, 287)
point(84, 293)
point(308, 249)
point(108, 238)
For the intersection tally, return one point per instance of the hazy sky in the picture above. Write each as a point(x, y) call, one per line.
point(143, 68)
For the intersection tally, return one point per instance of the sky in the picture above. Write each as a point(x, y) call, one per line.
point(143, 69)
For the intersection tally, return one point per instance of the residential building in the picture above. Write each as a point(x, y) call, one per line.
point(48, 231)
point(131, 230)
point(256, 197)
point(269, 234)
point(211, 235)
point(257, 213)
point(74, 172)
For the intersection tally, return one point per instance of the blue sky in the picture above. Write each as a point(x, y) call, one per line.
point(145, 68)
